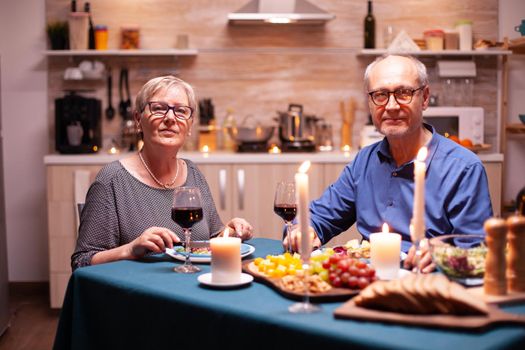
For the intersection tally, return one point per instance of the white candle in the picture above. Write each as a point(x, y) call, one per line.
point(385, 250)
point(225, 259)
point(301, 190)
point(418, 214)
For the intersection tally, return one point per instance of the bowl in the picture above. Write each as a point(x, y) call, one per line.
point(522, 118)
point(461, 257)
point(257, 133)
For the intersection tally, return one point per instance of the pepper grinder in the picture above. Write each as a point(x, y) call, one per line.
point(495, 264)
point(516, 256)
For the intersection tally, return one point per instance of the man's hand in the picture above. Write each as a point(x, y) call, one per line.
point(295, 242)
point(425, 259)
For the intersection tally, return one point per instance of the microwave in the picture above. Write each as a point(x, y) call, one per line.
point(465, 122)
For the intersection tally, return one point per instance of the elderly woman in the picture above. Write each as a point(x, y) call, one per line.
point(128, 206)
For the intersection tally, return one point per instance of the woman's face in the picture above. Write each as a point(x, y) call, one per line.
point(166, 130)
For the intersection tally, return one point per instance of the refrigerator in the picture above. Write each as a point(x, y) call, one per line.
point(4, 307)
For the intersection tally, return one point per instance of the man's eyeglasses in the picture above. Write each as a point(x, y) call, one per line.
point(403, 96)
point(160, 109)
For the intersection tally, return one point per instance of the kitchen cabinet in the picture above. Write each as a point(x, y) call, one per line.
point(247, 191)
point(62, 225)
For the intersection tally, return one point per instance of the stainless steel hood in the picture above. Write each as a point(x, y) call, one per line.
point(279, 12)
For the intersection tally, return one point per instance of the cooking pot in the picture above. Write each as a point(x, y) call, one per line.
point(295, 126)
point(251, 131)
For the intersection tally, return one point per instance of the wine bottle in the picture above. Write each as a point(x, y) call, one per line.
point(370, 28)
point(91, 44)
point(520, 202)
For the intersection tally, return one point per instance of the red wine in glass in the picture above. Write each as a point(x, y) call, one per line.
point(286, 211)
point(186, 211)
point(186, 217)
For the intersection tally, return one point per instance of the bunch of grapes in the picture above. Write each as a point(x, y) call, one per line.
point(347, 272)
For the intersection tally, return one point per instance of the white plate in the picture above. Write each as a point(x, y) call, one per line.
point(206, 280)
point(246, 250)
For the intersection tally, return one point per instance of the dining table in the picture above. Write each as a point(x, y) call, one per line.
point(144, 304)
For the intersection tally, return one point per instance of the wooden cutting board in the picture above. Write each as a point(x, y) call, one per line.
point(334, 294)
point(509, 298)
point(350, 311)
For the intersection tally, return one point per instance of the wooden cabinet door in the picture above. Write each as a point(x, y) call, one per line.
point(254, 190)
point(219, 178)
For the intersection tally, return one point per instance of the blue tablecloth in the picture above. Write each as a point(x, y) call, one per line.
point(131, 305)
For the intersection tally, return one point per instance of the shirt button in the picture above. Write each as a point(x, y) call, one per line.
point(394, 174)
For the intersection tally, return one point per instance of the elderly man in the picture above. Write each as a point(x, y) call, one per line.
point(378, 186)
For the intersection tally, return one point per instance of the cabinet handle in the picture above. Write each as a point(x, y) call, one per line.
point(240, 186)
point(222, 188)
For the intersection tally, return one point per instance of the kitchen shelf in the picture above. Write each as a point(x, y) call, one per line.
point(103, 53)
point(489, 52)
point(516, 128)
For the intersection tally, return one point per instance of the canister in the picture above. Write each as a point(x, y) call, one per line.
point(464, 28)
point(434, 39)
point(101, 37)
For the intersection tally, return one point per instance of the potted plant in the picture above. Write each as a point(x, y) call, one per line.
point(58, 34)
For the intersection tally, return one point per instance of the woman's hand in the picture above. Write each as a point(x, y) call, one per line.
point(154, 239)
point(295, 235)
point(239, 228)
point(425, 262)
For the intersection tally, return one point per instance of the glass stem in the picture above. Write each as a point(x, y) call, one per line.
point(288, 230)
point(187, 235)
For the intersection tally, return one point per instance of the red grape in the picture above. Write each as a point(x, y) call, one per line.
point(347, 272)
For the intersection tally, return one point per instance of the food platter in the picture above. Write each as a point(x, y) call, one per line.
point(178, 253)
point(334, 294)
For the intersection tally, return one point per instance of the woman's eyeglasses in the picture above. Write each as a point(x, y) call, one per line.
point(160, 109)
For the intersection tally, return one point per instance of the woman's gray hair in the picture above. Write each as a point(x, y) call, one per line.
point(422, 75)
point(163, 83)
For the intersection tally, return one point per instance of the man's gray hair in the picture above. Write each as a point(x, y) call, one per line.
point(422, 75)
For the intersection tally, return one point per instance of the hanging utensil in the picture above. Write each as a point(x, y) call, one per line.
point(129, 112)
point(110, 111)
point(122, 108)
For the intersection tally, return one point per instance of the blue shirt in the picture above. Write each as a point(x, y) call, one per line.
point(373, 190)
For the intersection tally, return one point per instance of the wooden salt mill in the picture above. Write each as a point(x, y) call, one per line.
point(516, 254)
point(495, 264)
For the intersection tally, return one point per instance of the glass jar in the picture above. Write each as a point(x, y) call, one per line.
point(434, 39)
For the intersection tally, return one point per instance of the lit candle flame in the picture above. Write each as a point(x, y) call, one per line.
point(275, 150)
point(304, 167)
point(346, 148)
point(422, 154)
point(385, 228)
point(226, 232)
point(205, 149)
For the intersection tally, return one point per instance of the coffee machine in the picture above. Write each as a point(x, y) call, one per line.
point(296, 130)
point(77, 124)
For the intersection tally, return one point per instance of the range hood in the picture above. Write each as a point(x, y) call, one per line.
point(279, 12)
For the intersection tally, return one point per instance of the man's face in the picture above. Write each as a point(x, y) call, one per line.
point(394, 119)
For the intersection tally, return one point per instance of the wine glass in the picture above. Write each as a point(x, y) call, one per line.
point(305, 307)
point(186, 211)
point(285, 205)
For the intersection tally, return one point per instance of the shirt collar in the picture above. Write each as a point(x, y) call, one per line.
point(384, 154)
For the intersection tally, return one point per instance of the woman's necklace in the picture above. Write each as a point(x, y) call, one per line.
point(168, 185)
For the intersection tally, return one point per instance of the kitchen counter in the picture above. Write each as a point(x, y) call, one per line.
point(229, 157)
